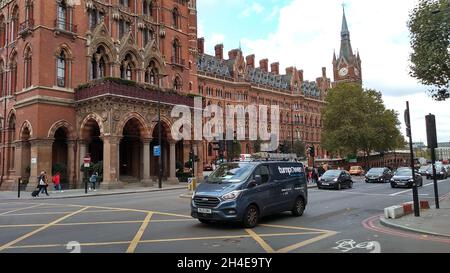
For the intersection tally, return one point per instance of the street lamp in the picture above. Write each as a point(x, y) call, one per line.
point(160, 171)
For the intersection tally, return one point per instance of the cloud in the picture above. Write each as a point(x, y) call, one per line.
point(255, 8)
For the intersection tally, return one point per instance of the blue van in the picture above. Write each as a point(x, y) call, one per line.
point(246, 191)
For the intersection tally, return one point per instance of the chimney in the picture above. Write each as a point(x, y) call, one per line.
point(300, 75)
point(290, 70)
point(232, 54)
point(250, 61)
point(275, 68)
point(219, 51)
point(324, 72)
point(264, 65)
point(201, 45)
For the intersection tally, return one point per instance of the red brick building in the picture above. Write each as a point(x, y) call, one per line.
point(49, 48)
point(238, 80)
point(84, 77)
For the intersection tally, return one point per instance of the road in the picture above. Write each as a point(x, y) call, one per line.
point(159, 222)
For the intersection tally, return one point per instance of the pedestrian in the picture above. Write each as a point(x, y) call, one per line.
point(42, 183)
point(93, 181)
point(315, 175)
point(309, 175)
point(57, 182)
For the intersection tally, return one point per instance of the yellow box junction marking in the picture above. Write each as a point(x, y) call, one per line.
point(139, 234)
point(5, 246)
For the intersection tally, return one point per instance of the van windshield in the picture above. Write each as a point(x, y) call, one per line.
point(230, 173)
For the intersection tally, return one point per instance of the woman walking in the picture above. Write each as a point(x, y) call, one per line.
point(42, 185)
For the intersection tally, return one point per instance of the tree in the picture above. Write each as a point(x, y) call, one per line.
point(357, 120)
point(285, 147)
point(299, 148)
point(235, 150)
point(430, 40)
point(257, 145)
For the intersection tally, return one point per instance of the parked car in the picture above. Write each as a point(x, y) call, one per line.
point(376, 175)
point(403, 178)
point(441, 172)
point(207, 168)
point(335, 179)
point(246, 191)
point(357, 170)
point(423, 170)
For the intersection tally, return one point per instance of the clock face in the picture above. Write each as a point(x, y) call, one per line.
point(356, 72)
point(343, 71)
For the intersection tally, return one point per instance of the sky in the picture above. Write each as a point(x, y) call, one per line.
point(304, 34)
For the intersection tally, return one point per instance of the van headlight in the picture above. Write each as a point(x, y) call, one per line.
point(335, 180)
point(411, 180)
point(231, 196)
point(193, 195)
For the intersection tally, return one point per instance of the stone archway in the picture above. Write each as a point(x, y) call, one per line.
point(25, 170)
point(60, 155)
point(131, 152)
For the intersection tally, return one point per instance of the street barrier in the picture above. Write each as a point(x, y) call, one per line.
point(395, 212)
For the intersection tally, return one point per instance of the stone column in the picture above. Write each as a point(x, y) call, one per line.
point(198, 150)
point(146, 181)
point(41, 160)
point(110, 157)
point(71, 164)
point(172, 165)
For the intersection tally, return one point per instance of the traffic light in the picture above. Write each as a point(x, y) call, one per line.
point(312, 151)
point(431, 131)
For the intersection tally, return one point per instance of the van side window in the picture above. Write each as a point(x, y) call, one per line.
point(264, 172)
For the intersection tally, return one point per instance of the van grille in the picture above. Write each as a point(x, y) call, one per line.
point(206, 202)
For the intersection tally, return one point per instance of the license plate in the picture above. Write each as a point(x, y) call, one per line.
point(402, 184)
point(208, 211)
point(326, 184)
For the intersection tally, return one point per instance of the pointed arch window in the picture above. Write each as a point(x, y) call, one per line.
point(177, 84)
point(99, 64)
point(126, 68)
point(175, 18)
point(27, 67)
point(151, 74)
point(62, 15)
point(2, 32)
point(61, 69)
point(2, 79)
point(15, 23)
point(176, 52)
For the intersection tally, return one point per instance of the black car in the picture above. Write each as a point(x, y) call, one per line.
point(403, 178)
point(377, 175)
point(335, 179)
point(441, 172)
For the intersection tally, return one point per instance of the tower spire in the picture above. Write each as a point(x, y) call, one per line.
point(346, 47)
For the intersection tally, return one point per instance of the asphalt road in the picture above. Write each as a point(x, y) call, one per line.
point(159, 222)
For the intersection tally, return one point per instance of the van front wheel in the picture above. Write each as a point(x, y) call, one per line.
point(251, 217)
point(299, 207)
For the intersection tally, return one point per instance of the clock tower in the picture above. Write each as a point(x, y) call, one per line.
point(347, 66)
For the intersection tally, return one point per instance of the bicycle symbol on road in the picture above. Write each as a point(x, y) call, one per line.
point(347, 245)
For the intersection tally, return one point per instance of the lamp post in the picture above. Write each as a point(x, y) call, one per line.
point(160, 164)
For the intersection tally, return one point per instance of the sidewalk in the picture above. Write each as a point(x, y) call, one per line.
point(77, 193)
point(432, 221)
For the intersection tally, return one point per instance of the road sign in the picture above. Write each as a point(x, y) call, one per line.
point(87, 161)
point(157, 151)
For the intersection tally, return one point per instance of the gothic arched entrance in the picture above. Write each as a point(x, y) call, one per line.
point(130, 154)
point(165, 148)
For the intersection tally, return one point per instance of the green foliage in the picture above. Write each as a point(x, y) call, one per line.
point(236, 150)
point(285, 147)
point(299, 148)
point(257, 145)
point(429, 25)
point(357, 120)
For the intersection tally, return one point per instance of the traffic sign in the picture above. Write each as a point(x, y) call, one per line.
point(87, 161)
point(157, 151)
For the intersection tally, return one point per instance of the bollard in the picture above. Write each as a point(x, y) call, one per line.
point(19, 180)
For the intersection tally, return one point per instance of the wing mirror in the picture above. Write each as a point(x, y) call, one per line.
point(256, 181)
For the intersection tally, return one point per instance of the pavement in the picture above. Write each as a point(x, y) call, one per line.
point(77, 193)
point(431, 222)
